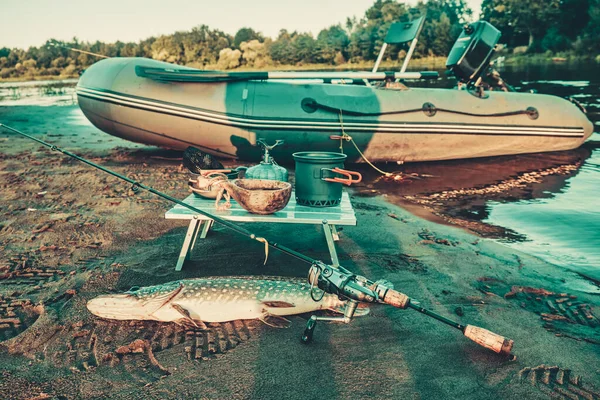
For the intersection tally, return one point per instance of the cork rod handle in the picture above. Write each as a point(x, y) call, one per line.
point(489, 340)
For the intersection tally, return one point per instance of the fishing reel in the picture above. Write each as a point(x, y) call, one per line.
point(349, 287)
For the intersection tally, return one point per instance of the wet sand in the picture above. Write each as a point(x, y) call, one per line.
point(69, 233)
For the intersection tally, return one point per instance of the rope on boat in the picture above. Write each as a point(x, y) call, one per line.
point(428, 108)
point(347, 137)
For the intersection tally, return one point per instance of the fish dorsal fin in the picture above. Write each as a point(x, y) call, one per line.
point(277, 304)
point(156, 303)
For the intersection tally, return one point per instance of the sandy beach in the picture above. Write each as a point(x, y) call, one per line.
point(69, 233)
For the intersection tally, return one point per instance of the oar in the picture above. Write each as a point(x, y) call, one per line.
point(195, 75)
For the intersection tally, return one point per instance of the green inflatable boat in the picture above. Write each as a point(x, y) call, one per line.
point(225, 114)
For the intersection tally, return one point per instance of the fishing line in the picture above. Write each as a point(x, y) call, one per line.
point(347, 137)
point(56, 44)
point(137, 185)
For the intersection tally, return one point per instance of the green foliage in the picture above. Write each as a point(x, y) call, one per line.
point(574, 15)
point(331, 44)
point(555, 41)
point(229, 58)
point(246, 35)
point(588, 41)
point(304, 48)
point(544, 26)
point(445, 19)
point(555, 25)
point(255, 54)
point(281, 50)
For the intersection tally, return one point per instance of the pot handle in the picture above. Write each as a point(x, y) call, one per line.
point(348, 176)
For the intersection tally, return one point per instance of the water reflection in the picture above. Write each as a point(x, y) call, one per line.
point(552, 212)
point(460, 190)
point(38, 93)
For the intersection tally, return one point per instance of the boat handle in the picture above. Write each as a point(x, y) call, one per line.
point(348, 176)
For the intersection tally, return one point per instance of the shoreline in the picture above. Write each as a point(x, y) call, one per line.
point(430, 62)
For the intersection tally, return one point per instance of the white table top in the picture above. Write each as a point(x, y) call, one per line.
point(342, 214)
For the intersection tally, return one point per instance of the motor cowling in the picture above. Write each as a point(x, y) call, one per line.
point(472, 51)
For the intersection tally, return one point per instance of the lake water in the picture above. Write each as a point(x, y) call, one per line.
point(557, 218)
point(563, 228)
point(38, 93)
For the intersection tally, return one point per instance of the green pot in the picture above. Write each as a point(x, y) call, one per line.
point(319, 178)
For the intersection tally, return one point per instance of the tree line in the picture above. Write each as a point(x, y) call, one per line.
point(549, 25)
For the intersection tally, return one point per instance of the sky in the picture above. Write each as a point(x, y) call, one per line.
point(31, 22)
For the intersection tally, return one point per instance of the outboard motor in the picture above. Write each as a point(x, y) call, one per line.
point(470, 57)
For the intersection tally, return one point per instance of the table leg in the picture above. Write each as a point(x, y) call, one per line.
point(334, 233)
point(331, 244)
point(207, 225)
point(201, 226)
point(186, 243)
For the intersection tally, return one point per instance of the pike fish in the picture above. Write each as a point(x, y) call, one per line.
point(192, 302)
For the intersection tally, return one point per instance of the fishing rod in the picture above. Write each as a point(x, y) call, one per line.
point(331, 279)
point(57, 44)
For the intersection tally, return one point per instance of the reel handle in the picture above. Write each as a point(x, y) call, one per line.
point(337, 280)
point(349, 311)
point(307, 336)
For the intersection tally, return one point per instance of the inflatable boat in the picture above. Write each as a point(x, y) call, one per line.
point(226, 113)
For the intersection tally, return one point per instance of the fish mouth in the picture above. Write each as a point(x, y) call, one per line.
point(117, 306)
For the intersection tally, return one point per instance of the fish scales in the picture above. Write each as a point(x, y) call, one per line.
point(216, 299)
